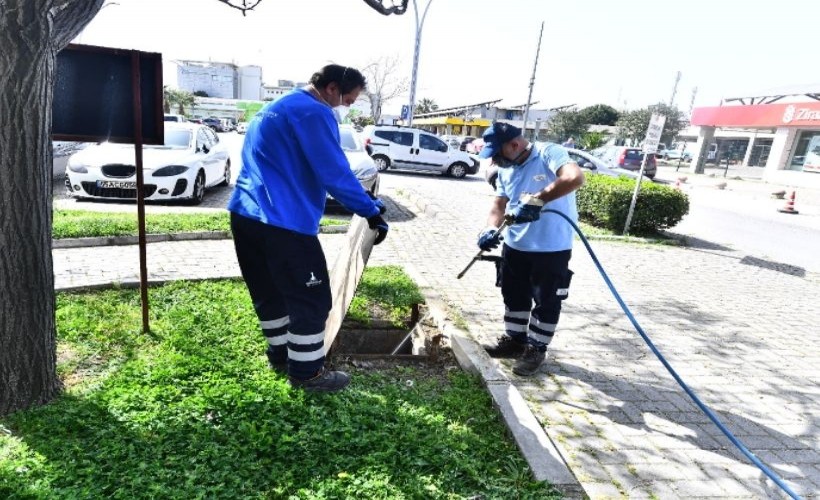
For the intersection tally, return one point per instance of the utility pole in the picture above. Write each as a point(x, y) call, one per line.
point(419, 25)
point(532, 80)
point(692, 101)
point(674, 90)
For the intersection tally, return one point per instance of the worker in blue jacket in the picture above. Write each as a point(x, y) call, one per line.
point(291, 160)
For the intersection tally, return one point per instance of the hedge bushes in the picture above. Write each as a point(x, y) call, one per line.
point(604, 202)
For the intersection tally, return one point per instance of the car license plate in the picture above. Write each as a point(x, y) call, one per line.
point(117, 184)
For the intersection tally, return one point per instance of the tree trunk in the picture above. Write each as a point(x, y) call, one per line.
point(31, 33)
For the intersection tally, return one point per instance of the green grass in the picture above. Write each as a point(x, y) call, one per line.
point(192, 411)
point(384, 291)
point(83, 224)
point(594, 232)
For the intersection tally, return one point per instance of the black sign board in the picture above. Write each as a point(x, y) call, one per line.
point(94, 98)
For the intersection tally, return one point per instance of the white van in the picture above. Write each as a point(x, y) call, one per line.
point(175, 118)
point(408, 148)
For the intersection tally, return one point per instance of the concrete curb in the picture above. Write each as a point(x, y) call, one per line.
point(156, 238)
point(544, 459)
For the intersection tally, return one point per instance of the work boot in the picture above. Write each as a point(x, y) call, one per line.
point(506, 347)
point(530, 362)
point(324, 381)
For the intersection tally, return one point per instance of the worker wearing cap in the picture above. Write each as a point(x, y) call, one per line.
point(534, 268)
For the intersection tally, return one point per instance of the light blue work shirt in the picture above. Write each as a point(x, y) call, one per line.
point(550, 233)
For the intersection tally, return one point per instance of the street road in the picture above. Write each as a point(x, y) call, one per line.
point(753, 226)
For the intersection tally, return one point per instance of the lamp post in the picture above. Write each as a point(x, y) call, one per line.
point(419, 26)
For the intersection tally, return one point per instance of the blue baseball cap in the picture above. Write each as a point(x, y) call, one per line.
point(495, 137)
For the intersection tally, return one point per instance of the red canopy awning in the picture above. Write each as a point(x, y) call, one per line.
point(764, 115)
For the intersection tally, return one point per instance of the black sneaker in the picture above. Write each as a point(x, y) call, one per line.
point(324, 381)
point(530, 362)
point(506, 347)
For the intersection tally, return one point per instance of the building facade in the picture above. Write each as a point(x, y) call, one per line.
point(249, 83)
point(783, 138)
point(473, 120)
point(282, 87)
point(220, 80)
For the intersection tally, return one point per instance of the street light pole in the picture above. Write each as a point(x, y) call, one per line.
point(532, 82)
point(413, 78)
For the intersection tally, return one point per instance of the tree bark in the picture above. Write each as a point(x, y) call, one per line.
point(31, 34)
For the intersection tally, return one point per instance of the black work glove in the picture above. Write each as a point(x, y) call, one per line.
point(378, 223)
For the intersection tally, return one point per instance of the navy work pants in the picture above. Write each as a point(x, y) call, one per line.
point(539, 278)
point(286, 275)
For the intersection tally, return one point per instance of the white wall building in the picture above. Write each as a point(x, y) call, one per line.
point(282, 87)
point(220, 80)
point(250, 83)
point(215, 79)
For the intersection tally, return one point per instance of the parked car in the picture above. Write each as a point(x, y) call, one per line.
point(452, 140)
point(216, 124)
point(241, 127)
point(625, 157)
point(592, 165)
point(408, 148)
point(191, 160)
point(362, 165)
point(227, 125)
point(174, 118)
point(475, 146)
point(675, 154)
point(464, 141)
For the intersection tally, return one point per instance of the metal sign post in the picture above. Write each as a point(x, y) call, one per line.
point(138, 143)
point(650, 147)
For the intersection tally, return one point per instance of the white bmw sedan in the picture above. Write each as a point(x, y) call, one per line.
point(191, 160)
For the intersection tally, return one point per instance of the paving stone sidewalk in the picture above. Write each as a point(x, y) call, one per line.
point(743, 336)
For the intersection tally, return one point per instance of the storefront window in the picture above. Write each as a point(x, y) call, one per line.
point(806, 143)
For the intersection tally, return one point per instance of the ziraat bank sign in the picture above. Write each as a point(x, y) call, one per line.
point(762, 115)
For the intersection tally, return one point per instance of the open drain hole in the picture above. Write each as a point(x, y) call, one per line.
point(381, 342)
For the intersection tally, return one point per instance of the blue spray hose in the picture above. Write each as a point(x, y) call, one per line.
point(709, 413)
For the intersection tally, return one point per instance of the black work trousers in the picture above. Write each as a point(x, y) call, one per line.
point(533, 285)
point(287, 278)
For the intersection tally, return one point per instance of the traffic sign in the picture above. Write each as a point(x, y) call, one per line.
point(653, 133)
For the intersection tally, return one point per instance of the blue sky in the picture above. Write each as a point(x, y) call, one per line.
point(624, 53)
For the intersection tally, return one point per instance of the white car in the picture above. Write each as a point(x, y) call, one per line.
point(361, 163)
point(191, 160)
